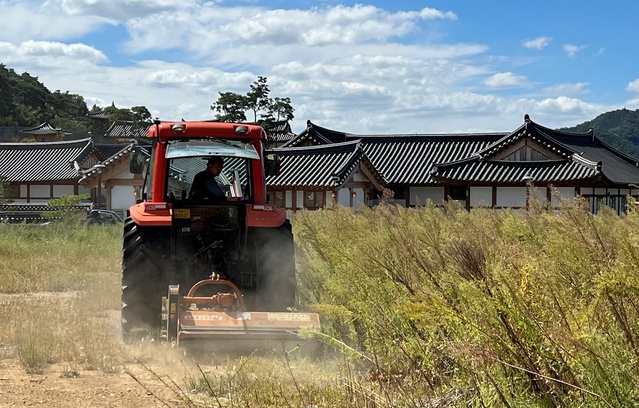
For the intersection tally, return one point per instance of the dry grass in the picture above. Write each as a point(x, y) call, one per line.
point(59, 287)
point(426, 307)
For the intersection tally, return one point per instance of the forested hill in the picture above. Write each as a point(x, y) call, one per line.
point(619, 129)
point(26, 102)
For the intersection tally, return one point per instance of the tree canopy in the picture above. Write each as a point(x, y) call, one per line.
point(25, 101)
point(233, 107)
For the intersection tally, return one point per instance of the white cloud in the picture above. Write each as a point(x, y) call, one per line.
point(565, 104)
point(567, 88)
point(633, 86)
point(503, 80)
point(537, 43)
point(120, 10)
point(632, 104)
point(572, 50)
point(354, 68)
point(209, 26)
point(50, 54)
point(25, 20)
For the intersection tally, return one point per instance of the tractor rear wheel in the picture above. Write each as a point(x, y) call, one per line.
point(275, 263)
point(142, 281)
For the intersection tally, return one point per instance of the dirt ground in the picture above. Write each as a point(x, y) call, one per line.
point(160, 381)
point(88, 389)
point(133, 385)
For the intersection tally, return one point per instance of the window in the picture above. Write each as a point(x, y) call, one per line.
point(279, 198)
point(234, 178)
point(313, 199)
point(458, 193)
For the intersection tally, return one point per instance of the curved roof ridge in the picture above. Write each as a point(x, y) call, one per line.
point(349, 165)
point(586, 162)
point(324, 147)
point(63, 143)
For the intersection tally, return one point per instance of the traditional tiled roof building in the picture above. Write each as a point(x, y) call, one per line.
point(482, 169)
point(38, 172)
point(125, 131)
point(43, 132)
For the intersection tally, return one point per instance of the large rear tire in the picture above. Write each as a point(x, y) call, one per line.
point(275, 263)
point(142, 281)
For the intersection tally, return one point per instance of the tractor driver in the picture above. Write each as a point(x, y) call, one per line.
point(204, 184)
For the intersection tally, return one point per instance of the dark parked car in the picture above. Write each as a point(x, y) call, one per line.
point(103, 217)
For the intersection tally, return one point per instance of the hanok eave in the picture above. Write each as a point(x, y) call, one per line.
point(111, 182)
point(44, 132)
point(558, 165)
point(125, 131)
point(322, 176)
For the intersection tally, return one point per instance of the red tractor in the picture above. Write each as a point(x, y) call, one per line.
point(174, 240)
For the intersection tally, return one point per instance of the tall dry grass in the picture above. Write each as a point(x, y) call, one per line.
point(425, 307)
point(59, 286)
point(492, 307)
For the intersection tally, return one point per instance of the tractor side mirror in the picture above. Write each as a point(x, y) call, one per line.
point(136, 166)
point(272, 165)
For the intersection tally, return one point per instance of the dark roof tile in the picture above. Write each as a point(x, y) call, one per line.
point(44, 161)
point(327, 166)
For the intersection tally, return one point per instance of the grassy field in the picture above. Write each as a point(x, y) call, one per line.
point(419, 307)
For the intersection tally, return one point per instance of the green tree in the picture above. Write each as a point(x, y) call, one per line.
point(232, 107)
point(257, 98)
point(141, 115)
point(279, 109)
point(6, 98)
point(67, 207)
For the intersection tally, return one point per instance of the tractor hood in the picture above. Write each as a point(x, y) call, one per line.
point(202, 148)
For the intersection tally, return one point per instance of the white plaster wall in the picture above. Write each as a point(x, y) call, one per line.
point(344, 197)
point(38, 191)
point(288, 199)
point(359, 199)
point(300, 199)
point(360, 177)
point(511, 196)
point(421, 195)
point(59, 191)
point(122, 197)
point(328, 200)
point(563, 193)
point(481, 196)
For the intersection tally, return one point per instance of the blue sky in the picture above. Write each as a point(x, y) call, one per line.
point(362, 67)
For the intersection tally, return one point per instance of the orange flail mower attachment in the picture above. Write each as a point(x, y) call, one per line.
point(214, 309)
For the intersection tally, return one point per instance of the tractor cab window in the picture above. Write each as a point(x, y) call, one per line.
point(188, 157)
point(233, 179)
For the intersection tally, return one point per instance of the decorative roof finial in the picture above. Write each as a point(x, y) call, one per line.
point(527, 118)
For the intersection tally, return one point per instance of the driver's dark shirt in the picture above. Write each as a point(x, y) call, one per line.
point(205, 187)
